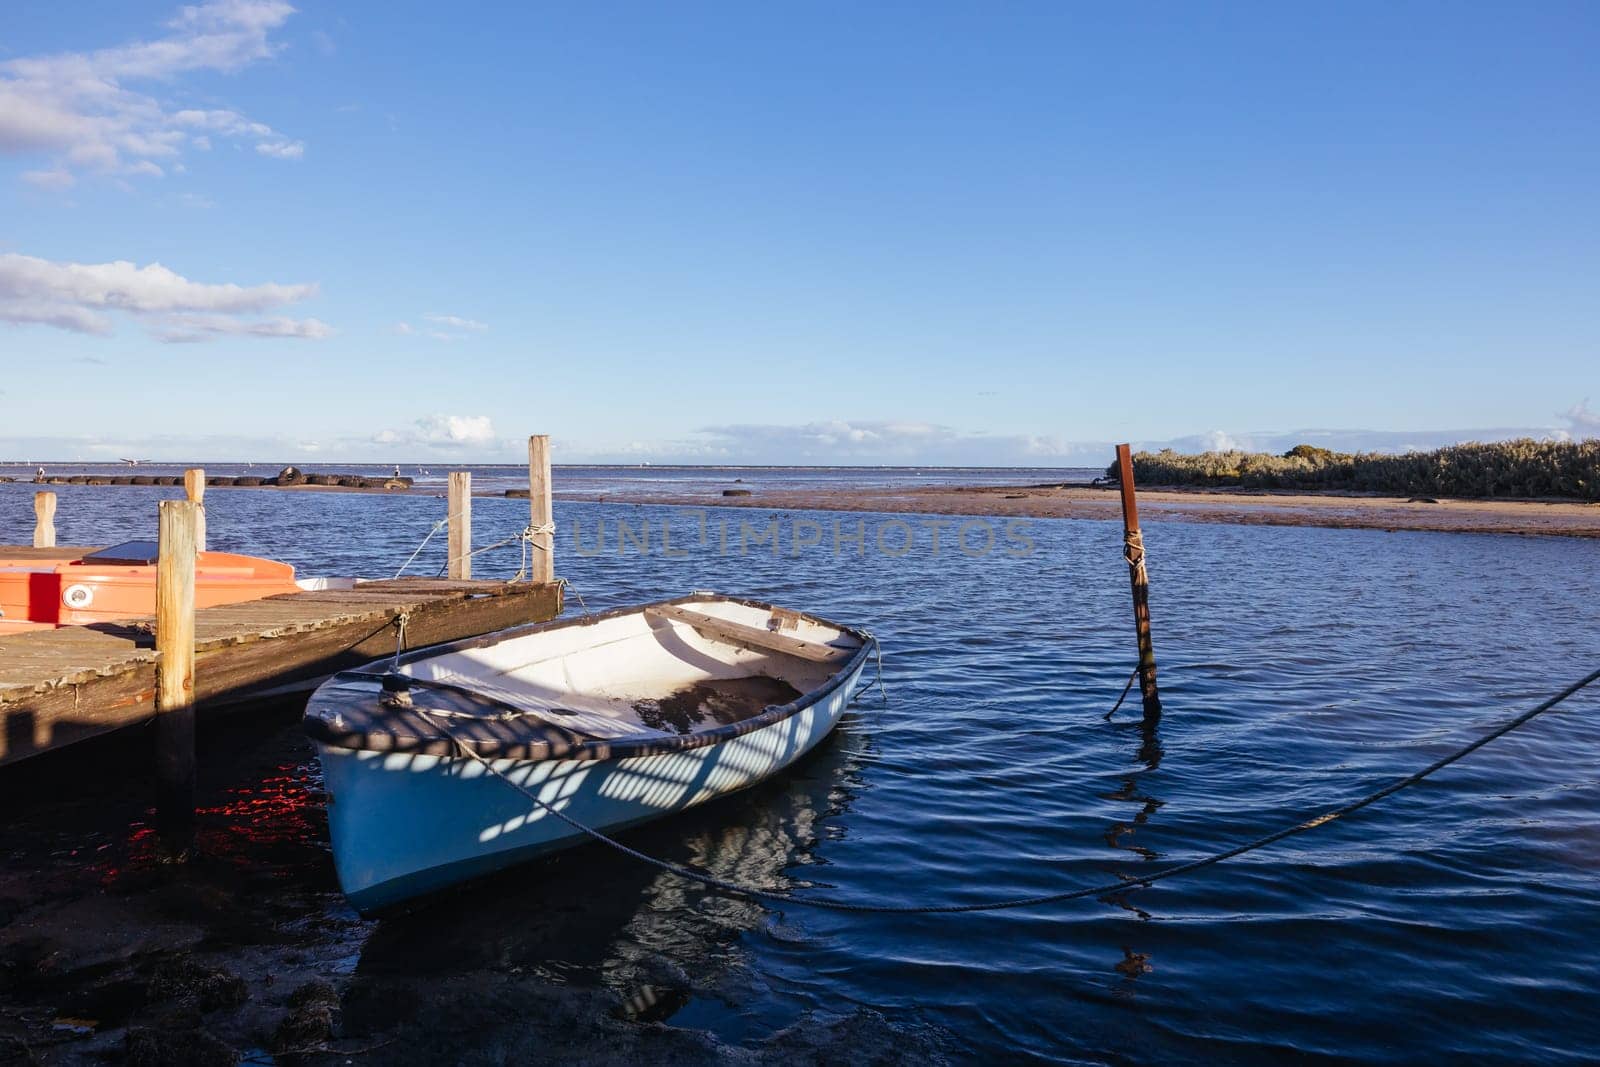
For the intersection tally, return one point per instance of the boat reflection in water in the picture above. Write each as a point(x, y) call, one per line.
point(590, 919)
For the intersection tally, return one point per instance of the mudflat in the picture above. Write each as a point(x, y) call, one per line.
point(1562, 518)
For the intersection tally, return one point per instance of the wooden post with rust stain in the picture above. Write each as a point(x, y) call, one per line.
point(44, 520)
point(194, 487)
point(1133, 549)
point(460, 503)
point(541, 514)
point(175, 758)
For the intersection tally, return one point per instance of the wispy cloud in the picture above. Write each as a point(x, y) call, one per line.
point(458, 323)
point(78, 109)
point(441, 327)
point(81, 297)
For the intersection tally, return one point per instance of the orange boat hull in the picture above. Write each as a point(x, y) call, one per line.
point(47, 593)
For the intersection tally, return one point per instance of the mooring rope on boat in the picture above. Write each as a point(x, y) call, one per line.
point(1122, 885)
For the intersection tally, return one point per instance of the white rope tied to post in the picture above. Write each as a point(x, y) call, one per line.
point(1133, 548)
point(525, 535)
point(528, 544)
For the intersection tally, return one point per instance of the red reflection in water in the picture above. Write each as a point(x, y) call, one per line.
point(275, 826)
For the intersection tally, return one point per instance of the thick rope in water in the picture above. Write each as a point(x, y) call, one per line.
point(1125, 691)
point(1123, 885)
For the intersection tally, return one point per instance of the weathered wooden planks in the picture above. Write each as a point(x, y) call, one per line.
point(60, 686)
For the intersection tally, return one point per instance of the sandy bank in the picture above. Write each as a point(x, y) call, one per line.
point(1256, 508)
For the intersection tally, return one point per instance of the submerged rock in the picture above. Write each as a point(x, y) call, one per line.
point(313, 1017)
point(211, 988)
point(150, 1047)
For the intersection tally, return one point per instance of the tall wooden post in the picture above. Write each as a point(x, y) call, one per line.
point(44, 520)
point(175, 759)
point(1133, 549)
point(194, 487)
point(460, 503)
point(540, 511)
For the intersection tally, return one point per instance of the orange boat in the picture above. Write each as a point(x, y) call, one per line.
point(119, 583)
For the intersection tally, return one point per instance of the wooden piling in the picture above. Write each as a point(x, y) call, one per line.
point(44, 520)
point(194, 487)
point(460, 503)
point(541, 514)
point(1133, 550)
point(174, 639)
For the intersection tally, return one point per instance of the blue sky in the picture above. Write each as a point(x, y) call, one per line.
point(981, 233)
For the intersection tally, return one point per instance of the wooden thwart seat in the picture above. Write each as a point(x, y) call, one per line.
point(750, 636)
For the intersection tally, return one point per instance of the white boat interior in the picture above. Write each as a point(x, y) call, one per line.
point(664, 672)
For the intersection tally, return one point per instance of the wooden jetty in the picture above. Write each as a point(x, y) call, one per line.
point(62, 685)
point(65, 685)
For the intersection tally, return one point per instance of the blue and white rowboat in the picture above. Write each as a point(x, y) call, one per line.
point(613, 719)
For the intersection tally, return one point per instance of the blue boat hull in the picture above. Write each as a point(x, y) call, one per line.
point(405, 825)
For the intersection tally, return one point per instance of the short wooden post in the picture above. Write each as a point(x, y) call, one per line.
point(44, 520)
point(460, 561)
point(194, 487)
point(541, 516)
point(175, 758)
point(1133, 549)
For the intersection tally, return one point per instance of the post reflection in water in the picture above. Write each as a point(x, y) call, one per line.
point(591, 917)
point(1121, 834)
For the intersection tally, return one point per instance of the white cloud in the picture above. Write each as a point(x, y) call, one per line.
point(1581, 422)
point(80, 296)
point(442, 431)
point(180, 329)
point(77, 106)
point(449, 328)
point(458, 323)
point(49, 179)
point(282, 149)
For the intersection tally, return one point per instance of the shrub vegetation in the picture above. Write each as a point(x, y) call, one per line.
point(1521, 468)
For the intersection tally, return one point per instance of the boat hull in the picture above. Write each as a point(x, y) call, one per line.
point(405, 825)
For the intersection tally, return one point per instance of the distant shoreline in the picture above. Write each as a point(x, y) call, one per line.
point(1332, 509)
point(1245, 507)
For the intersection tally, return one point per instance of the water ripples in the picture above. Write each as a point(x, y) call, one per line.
point(1300, 669)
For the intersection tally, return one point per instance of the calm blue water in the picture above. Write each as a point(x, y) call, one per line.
point(1300, 668)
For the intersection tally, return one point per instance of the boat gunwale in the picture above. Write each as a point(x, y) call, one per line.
point(320, 730)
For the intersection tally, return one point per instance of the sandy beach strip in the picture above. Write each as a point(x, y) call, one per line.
point(1241, 507)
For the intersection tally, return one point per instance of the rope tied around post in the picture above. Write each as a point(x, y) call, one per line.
point(1133, 547)
point(529, 538)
